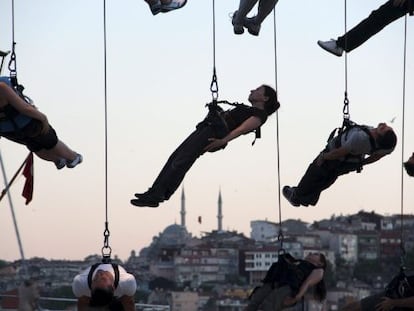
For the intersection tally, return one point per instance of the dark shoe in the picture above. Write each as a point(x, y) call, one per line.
point(251, 26)
point(173, 5)
point(78, 160)
point(237, 26)
point(289, 194)
point(155, 7)
point(61, 163)
point(332, 47)
point(148, 202)
point(150, 195)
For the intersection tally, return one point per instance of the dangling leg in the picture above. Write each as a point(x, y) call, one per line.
point(239, 16)
point(314, 181)
point(253, 24)
point(374, 23)
point(173, 172)
point(258, 296)
point(61, 155)
point(274, 300)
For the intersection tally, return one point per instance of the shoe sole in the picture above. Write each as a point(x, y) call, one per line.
point(328, 50)
point(144, 204)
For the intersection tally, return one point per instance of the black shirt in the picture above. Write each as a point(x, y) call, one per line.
point(238, 115)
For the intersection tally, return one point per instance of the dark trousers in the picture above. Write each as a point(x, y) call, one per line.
point(375, 22)
point(267, 298)
point(181, 160)
point(318, 178)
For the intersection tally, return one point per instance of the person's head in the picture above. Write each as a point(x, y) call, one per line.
point(266, 95)
point(409, 166)
point(386, 138)
point(102, 289)
point(317, 259)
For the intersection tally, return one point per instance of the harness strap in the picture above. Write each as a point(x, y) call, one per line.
point(257, 132)
point(348, 125)
point(93, 269)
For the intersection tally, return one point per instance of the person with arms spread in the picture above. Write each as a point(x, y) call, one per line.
point(212, 134)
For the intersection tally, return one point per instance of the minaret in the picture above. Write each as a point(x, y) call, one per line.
point(220, 212)
point(182, 208)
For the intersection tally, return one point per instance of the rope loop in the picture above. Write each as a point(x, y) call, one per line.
point(280, 237)
point(214, 86)
point(345, 109)
point(12, 63)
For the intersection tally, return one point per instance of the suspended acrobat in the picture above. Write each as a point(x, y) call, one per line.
point(165, 6)
point(409, 165)
point(212, 134)
point(374, 23)
point(253, 24)
point(105, 285)
point(287, 281)
point(344, 153)
point(21, 122)
point(391, 299)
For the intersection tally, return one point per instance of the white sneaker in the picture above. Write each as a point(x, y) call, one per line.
point(331, 46)
point(78, 159)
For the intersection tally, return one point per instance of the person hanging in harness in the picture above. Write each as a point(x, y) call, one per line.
point(409, 165)
point(344, 153)
point(104, 285)
point(212, 134)
point(374, 23)
point(398, 296)
point(287, 281)
point(21, 122)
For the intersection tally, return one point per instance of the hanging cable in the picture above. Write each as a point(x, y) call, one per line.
point(345, 109)
point(106, 249)
point(402, 263)
point(214, 82)
point(12, 63)
point(280, 236)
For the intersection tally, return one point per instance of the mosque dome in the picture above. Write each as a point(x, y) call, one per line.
point(174, 235)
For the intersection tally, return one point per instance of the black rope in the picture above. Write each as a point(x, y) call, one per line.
point(106, 249)
point(12, 63)
point(214, 82)
point(403, 253)
point(280, 236)
point(345, 109)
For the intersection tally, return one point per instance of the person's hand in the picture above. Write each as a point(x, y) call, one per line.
point(385, 305)
point(320, 159)
point(214, 144)
point(399, 3)
point(289, 301)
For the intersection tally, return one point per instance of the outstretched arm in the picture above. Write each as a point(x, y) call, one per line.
point(247, 126)
point(389, 304)
point(372, 158)
point(128, 303)
point(334, 154)
point(314, 278)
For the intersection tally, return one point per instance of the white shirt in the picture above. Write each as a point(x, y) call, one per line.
point(126, 286)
